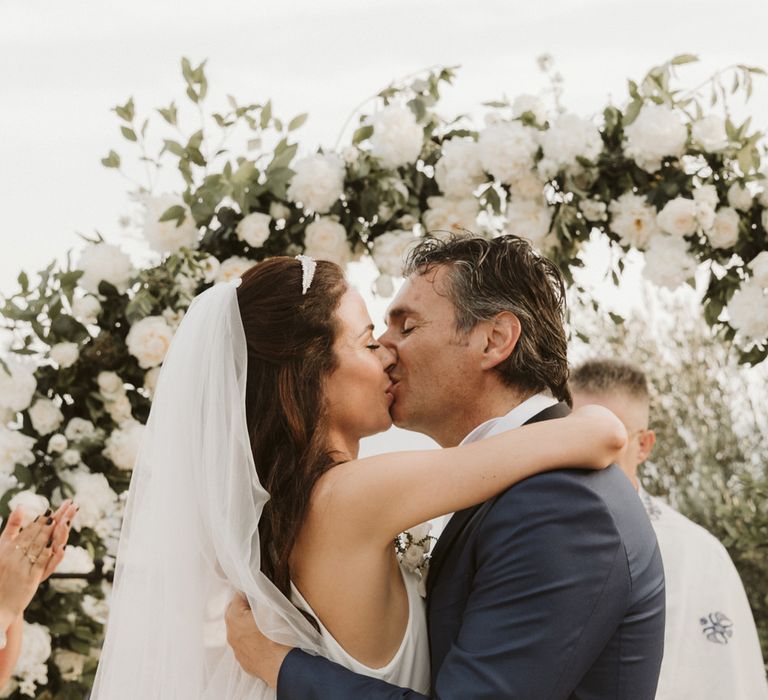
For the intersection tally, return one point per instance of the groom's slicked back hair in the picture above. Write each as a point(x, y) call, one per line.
point(487, 277)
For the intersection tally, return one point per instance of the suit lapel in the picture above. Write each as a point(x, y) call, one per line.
point(460, 519)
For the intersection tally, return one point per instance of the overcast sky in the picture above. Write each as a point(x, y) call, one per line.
point(65, 63)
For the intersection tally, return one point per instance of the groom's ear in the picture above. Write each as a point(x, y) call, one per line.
point(501, 335)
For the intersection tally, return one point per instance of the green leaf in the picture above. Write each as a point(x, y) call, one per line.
point(175, 213)
point(126, 111)
point(23, 282)
point(683, 59)
point(128, 133)
point(173, 147)
point(362, 133)
point(111, 161)
point(170, 113)
point(297, 122)
point(266, 114)
point(65, 327)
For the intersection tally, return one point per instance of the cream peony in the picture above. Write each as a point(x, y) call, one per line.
point(254, 229)
point(18, 388)
point(568, 138)
point(232, 268)
point(532, 104)
point(739, 197)
point(149, 340)
point(64, 354)
point(122, 446)
point(46, 416)
point(507, 150)
point(668, 262)
point(633, 220)
point(450, 215)
point(748, 311)
point(31, 503)
point(725, 229)
point(15, 448)
point(655, 134)
point(529, 219)
point(167, 236)
point(679, 217)
point(397, 137)
point(86, 309)
point(759, 268)
point(318, 182)
point(103, 262)
point(459, 171)
point(390, 250)
point(709, 134)
point(326, 239)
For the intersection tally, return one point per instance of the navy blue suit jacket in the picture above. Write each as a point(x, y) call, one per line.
point(552, 590)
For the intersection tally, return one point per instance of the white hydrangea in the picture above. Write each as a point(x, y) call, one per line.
point(46, 416)
point(568, 138)
point(77, 560)
point(532, 104)
point(725, 229)
point(122, 446)
point(668, 262)
point(232, 268)
point(390, 250)
point(530, 219)
point(633, 219)
point(759, 268)
point(594, 209)
point(318, 182)
point(93, 494)
point(86, 309)
point(397, 137)
point(18, 388)
point(57, 444)
point(32, 669)
point(64, 354)
point(739, 197)
point(148, 340)
point(279, 211)
point(15, 448)
point(679, 217)
point(706, 199)
point(507, 150)
point(150, 381)
point(655, 134)
point(748, 311)
point(104, 262)
point(459, 171)
point(69, 663)
point(209, 267)
point(79, 429)
point(709, 133)
point(166, 236)
point(96, 608)
point(326, 239)
point(526, 186)
point(70, 457)
point(119, 409)
point(254, 229)
point(31, 503)
point(451, 215)
point(110, 385)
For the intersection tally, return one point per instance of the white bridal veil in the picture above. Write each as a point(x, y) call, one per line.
point(190, 536)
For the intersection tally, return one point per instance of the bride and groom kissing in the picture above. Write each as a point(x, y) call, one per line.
point(547, 580)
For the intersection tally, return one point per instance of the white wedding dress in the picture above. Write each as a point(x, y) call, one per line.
point(409, 667)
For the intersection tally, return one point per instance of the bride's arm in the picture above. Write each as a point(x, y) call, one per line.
point(378, 497)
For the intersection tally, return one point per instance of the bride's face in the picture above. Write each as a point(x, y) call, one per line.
point(356, 393)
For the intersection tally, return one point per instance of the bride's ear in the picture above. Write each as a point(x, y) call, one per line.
point(501, 336)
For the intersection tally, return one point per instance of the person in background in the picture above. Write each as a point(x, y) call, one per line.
point(28, 556)
point(711, 647)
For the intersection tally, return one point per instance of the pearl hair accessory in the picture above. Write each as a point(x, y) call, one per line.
point(308, 267)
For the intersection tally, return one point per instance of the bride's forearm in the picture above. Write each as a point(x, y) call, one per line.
point(10, 654)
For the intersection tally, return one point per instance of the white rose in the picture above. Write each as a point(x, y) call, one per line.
point(532, 104)
point(94, 496)
point(31, 667)
point(15, 448)
point(390, 251)
point(709, 133)
point(122, 446)
point(166, 236)
point(86, 309)
point(64, 354)
point(119, 409)
point(739, 197)
point(209, 266)
point(148, 341)
point(254, 229)
point(593, 209)
point(279, 211)
point(725, 230)
point(150, 381)
point(633, 220)
point(529, 219)
point(451, 215)
point(110, 385)
point(79, 429)
point(96, 608)
point(759, 267)
point(104, 262)
point(70, 457)
point(326, 239)
point(668, 262)
point(571, 137)
point(526, 186)
point(507, 150)
point(232, 268)
point(69, 663)
point(318, 182)
point(459, 171)
point(413, 557)
point(76, 560)
point(655, 134)
point(32, 504)
point(57, 444)
point(397, 137)
point(173, 317)
point(45, 416)
point(706, 195)
point(748, 311)
point(18, 388)
point(679, 217)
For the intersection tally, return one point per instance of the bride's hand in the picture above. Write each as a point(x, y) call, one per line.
point(607, 435)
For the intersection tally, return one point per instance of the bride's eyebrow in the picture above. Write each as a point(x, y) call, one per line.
point(366, 330)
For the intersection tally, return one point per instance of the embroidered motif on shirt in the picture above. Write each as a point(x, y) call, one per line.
point(654, 512)
point(717, 627)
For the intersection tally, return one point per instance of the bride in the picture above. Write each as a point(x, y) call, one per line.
point(248, 480)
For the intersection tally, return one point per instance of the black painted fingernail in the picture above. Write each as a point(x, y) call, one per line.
point(49, 521)
point(48, 512)
point(50, 542)
point(69, 522)
point(36, 519)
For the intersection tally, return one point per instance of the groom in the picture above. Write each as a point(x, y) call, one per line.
point(555, 588)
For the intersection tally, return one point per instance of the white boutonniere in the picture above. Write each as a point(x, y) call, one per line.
point(413, 552)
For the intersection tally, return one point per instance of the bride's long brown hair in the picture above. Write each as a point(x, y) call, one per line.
point(290, 339)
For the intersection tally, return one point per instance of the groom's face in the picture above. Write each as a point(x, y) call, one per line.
point(435, 365)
